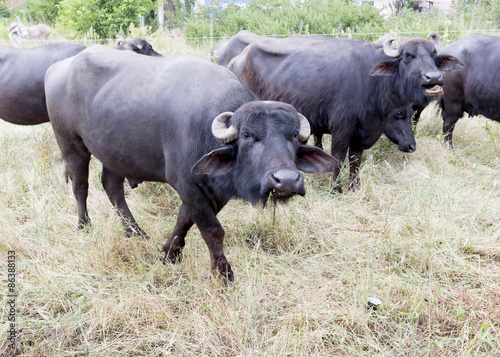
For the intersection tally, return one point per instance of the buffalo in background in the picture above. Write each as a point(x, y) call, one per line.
point(22, 72)
point(161, 127)
point(138, 45)
point(223, 52)
point(475, 89)
point(397, 125)
point(342, 85)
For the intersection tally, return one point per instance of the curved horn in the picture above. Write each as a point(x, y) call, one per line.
point(305, 128)
point(436, 40)
point(219, 130)
point(389, 49)
point(133, 44)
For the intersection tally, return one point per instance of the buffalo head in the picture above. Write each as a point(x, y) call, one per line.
point(398, 128)
point(137, 45)
point(419, 68)
point(263, 152)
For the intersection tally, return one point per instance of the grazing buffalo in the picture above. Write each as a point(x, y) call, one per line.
point(22, 72)
point(346, 86)
point(159, 124)
point(137, 45)
point(475, 89)
point(222, 53)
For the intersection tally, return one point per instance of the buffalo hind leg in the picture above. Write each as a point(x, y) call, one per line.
point(318, 140)
point(176, 242)
point(448, 127)
point(113, 185)
point(354, 163)
point(78, 170)
point(453, 110)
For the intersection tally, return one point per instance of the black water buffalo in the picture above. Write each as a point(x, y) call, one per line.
point(346, 86)
point(158, 124)
point(223, 52)
point(22, 72)
point(397, 124)
point(475, 89)
point(138, 45)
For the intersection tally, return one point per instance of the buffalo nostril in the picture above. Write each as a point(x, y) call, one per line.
point(285, 177)
point(412, 147)
point(287, 181)
point(433, 76)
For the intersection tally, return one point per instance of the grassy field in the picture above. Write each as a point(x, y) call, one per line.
point(421, 234)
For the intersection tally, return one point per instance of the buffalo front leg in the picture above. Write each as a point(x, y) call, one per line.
point(176, 242)
point(213, 235)
point(113, 185)
point(339, 152)
point(354, 163)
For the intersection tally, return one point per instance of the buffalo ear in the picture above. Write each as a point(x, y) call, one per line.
point(216, 163)
point(314, 160)
point(388, 68)
point(448, 63)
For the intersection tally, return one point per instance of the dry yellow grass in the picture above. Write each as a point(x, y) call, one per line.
point(422, 234)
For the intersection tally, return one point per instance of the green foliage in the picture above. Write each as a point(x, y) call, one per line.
point(40, 10)
point(338, 18)
point(492, 8)
point(106, 18)
point(4, 10)
point(451, 27)
point(278, 17)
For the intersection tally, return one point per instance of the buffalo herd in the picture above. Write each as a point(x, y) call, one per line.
point(238, 126)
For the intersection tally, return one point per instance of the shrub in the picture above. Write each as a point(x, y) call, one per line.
point(106, 18)
point(4, 10)
point(278, 17)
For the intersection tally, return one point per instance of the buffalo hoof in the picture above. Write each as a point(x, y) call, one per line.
point(84, 226)
point(336, 189)
point(172, 256)
point(135, 231)
point(225, 270)
point(354, 185)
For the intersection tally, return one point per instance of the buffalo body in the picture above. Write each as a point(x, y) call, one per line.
point(346, 88)
point(150, 119)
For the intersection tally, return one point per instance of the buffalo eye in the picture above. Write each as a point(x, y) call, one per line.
point(296, 135)
point(399, 114)
point(246, 135)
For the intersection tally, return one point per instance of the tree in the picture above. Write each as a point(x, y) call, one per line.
point(41, 10)
point(4, 10)
point(105, 17)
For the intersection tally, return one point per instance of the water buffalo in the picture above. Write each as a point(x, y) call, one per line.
point(223, 52)
point(344, 86)
point(474, 89)
point(150, 119)
point(397, 124)
point(22, 72)
point(137, 45)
